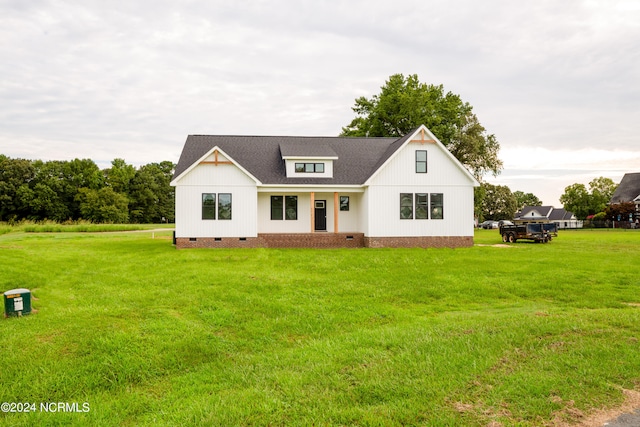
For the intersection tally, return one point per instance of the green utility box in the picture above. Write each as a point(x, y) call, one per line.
point(17, 302)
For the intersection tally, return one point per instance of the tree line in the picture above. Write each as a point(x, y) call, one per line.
point(496, 202)
point(79, 190)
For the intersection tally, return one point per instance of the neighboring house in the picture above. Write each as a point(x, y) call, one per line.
point(562, 217)
point(628, 190)
point(270, 191)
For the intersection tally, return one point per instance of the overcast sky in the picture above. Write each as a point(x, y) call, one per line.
point(557, 82)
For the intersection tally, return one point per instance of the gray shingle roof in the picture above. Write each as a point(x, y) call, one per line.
point(560, 214)
point(527, 210)
point(549, 212)
point(628, 189)
point(303, 149)
point(261, 156)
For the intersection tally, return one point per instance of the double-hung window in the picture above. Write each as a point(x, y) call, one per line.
point(284, 207)
point(406, 205)
point(437, 206)
point(224, 206)
point(209, 206)
point(422, 206)
point(421, 161)
point(291, 207)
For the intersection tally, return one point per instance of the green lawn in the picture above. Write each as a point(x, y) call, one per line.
point(140, 333)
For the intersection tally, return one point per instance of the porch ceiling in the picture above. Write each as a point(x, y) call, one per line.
point(311, 189)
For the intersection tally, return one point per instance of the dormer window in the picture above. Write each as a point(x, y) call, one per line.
point(308, 161)
point(309, 167)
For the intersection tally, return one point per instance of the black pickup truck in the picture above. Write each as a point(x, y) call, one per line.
point(512, 233)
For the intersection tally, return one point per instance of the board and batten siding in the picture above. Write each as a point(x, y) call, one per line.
point(399, 176)
point(351, 221)
point(348, 221)
point(299, 225)
point(221, 178)
point(385, 202)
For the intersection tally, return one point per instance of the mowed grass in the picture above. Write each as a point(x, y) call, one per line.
point(525, 335)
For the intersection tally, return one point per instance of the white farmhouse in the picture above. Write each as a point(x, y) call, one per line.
point(270, 191)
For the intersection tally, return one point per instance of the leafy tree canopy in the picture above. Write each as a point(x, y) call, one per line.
point(576, 199)
point(602, 190)
point(404, 104)
point(498, 202)
point(583, 202)
point(526, 199)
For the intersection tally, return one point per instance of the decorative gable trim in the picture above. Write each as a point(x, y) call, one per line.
point(423, 135)
point(215, 152)
point(423, 138)
point(216, 160)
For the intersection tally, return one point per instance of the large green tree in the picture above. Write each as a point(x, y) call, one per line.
point(602, 190)
point(582, 202)
point(498, 202)
point(576, 199)
point(405, 103)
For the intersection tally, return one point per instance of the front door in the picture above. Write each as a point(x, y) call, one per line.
point(320, 215)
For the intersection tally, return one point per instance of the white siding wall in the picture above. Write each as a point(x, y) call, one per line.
point(384, 221)
point(440, 168)
point(351, 220)
point(399, 176)
point(348, 221)
point(222, 178)
point(300, 225)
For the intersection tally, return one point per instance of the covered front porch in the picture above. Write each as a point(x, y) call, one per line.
point(309, 211)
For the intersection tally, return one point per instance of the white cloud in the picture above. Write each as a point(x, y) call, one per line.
point(548, 159)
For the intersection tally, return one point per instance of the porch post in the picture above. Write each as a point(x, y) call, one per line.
point(336, 206)
point(313, 212)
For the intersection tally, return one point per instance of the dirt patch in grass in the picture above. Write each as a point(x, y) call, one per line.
point(568, 416)
point(597, 418)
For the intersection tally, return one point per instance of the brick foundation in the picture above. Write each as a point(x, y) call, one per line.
point(224, 242)
point(324, 240)
point(419, 242)
point(277, 240)
point(313, 240)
